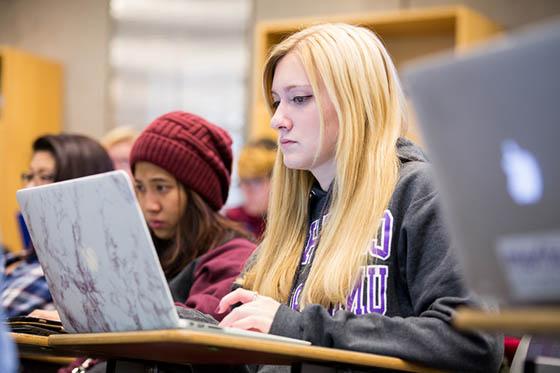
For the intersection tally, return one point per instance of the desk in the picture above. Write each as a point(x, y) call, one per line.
point(36, 348)
point(186, 346)
point(543, 321)
point(528, 320)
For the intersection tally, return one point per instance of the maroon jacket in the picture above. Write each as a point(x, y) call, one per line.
point(209, 277)
point(254, 224)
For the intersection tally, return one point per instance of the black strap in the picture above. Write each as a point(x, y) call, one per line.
point(181, 284)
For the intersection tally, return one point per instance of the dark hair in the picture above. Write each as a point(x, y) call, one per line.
point(200, 229)
point(75, 155)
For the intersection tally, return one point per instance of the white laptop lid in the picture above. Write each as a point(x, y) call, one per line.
point(491, 123)
point(97, 254)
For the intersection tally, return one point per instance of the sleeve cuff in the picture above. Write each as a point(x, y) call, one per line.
point(287, 323)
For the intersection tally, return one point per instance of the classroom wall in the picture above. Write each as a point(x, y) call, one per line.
point(6, 36)
point(76, 34)
point(508, 13)
point(272, 9)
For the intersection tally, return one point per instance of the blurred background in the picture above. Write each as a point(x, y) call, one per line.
point(88, 66)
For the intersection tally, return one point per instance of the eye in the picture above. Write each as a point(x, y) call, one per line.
point(47, 178)
point(275, 104)
point(160, 188)
point(301, 99)
point(26, 177)
point(139, 188)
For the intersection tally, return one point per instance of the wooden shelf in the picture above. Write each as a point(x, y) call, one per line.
point(407, 34)
point(31, 105)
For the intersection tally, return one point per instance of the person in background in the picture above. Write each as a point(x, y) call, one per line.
point(354, 222)
point(182, 165)
point(255, 164)
point(55, 158)
point(118, 143)
point(8, 362)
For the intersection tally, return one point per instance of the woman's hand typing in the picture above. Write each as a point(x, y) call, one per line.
point(256, 312)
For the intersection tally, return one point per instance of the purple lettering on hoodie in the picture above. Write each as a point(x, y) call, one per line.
point(294, 302)
point(383, 251)
point(370, 295)
point(311, 243)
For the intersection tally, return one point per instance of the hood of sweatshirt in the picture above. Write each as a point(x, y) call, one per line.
point(409, 152)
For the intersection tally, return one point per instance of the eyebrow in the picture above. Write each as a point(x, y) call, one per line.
point(292, 86)
point(40, 170)
point(156, 179)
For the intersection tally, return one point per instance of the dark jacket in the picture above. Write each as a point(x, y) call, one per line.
point(409, 291)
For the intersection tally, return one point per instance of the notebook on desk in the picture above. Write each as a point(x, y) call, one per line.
point(99, 260)
point(491, 123)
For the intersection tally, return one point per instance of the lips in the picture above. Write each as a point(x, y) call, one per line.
point(286, 143)
point(156, 224)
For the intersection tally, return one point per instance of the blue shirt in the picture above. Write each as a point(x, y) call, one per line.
point(25, 288)
point(8, 361)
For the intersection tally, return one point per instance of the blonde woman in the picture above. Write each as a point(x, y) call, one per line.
point(355, 254)
point(118, 143)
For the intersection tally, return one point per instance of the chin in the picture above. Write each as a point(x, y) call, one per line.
point(163, 235)
point(296, 164)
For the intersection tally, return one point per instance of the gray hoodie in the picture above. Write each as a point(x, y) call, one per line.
point(410, 289)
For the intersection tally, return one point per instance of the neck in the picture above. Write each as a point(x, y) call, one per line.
point(325, 173)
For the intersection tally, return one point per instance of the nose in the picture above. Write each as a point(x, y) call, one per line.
point(280, 119)
point(151, 203)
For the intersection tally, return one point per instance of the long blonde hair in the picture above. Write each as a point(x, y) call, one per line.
point(359, 77)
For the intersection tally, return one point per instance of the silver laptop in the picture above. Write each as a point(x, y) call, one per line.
point(99, 260)
point(491, 123)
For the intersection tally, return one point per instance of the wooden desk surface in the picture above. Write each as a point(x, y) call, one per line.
point(30, 340)
point(533, 320)
point(36, 347)
point(186, 346)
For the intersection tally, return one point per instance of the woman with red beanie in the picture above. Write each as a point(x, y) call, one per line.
point(181, 165)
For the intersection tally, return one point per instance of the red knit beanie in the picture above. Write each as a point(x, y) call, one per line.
point(197, 153)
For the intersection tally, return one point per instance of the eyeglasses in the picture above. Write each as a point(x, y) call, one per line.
point(27, 177)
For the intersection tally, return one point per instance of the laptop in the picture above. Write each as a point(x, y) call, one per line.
point(99, 260)
point(491, 122)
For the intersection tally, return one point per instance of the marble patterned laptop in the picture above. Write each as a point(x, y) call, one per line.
point(99, 260)
point(97, 255)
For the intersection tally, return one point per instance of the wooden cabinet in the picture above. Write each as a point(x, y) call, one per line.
point(407, 34)
point(30, 106)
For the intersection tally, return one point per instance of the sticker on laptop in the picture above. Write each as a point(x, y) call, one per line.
point(531, 265)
